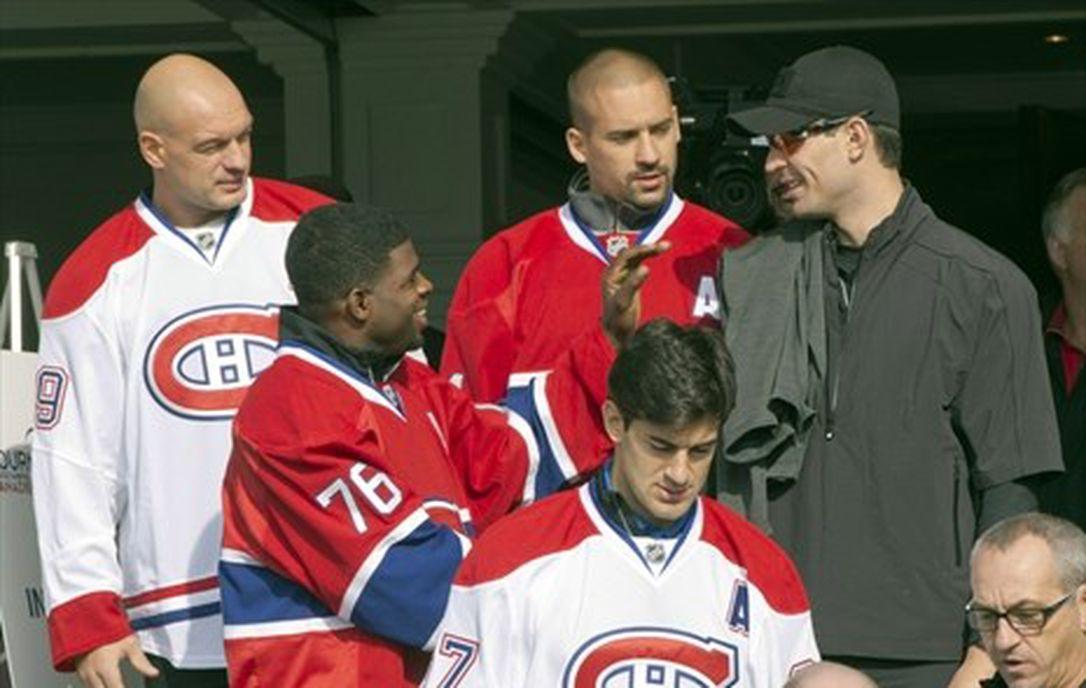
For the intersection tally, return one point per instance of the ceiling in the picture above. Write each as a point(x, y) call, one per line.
point(988, 54)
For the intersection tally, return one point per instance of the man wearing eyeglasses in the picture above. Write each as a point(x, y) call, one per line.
point(1029, 601)
point(914, 405)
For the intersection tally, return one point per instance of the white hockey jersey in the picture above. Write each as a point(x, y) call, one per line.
point(148, 344)
point(558, 595)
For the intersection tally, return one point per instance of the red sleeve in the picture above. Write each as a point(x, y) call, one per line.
point(479, 344)
point(84, 624)
point(549, 433)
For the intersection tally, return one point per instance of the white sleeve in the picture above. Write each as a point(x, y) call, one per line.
point(77, 465)
point(480, 642)
point(783, 644)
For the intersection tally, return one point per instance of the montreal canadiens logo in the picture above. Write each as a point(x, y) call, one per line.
point(652, 657)
point(200, 364)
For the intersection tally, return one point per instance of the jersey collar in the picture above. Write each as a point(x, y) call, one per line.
point(156, 220)
point(594, 496)
point(583, 236)
point(370, 375)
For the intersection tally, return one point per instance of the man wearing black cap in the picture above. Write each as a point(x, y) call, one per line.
point(927, 398)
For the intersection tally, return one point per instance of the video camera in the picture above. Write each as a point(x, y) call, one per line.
point(720, 169)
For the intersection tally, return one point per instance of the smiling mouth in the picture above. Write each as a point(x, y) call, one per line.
point(786, 186)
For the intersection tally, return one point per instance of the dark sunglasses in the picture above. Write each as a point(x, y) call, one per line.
point(789, 142)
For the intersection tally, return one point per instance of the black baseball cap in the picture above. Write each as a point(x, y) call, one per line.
point(825, 84)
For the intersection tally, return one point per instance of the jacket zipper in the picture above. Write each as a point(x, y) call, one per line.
point(954, 514)
point(835, 383)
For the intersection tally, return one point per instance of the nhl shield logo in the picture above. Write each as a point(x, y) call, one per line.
point(200, 364)
point(652, 657)
point(616, 244)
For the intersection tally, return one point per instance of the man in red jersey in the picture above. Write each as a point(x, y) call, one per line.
point(357, 473)
point(152, 331)
point(531, 289)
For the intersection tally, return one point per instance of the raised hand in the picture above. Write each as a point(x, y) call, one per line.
point(622, 290)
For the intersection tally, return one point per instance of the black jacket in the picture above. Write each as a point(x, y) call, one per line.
point(935, 390)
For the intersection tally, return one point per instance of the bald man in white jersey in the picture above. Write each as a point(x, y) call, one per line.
point(152, 331)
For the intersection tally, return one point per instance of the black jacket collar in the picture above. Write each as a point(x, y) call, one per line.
point(296, 328)
point(892, 225)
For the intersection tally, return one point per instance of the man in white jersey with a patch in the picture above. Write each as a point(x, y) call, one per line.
point(152, 331)
point(633, 579)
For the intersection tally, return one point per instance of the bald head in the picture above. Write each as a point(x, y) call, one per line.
point(193, 129)
point(612, 68)
point(830, 675)
point(180, 86)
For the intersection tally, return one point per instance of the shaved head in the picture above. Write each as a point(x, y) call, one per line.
point(612, 68)
point(830, 675)
point(179, 85)
point(193, 129)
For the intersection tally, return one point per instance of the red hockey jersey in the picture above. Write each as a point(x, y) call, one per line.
point(531, 289)
point(348, 498)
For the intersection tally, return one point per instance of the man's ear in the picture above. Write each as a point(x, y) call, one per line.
point(575, 143)
point(613, 421)
point(358, 304)
point(1057, 254)
point(152, 149)
point(859, 139)
point(676, 123)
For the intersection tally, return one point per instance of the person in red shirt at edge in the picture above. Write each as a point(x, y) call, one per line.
point(532, 288)
point(1064, 226)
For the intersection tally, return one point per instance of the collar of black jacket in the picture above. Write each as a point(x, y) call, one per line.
point(295, 327)
point(890, 226)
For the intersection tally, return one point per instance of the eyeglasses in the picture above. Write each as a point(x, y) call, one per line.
point(1025, 621)
point(789, 142)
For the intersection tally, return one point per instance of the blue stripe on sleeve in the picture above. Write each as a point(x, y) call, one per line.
point(521, 401)
point(254, 594)
point(165, 618)
point(406, 595)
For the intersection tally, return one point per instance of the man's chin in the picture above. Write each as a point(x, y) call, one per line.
point(409, 344)
point(228, 198)
point(646, 202)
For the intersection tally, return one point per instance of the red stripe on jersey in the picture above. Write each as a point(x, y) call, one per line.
point(186, 588)
point(83, 624)
point(768, 567)
point(275, 201)
point(86, 268)
point(552, 525)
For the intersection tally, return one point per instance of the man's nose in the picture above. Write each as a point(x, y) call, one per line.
point(648, 152)
point(774, 161)
point(678, 469)
point(1004, 636)
point(425, 285)
point(236, 156)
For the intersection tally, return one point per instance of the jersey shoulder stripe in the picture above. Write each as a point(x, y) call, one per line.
point(86, 268)
point(768, 567)
point(554, 524)
point(276, 201)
